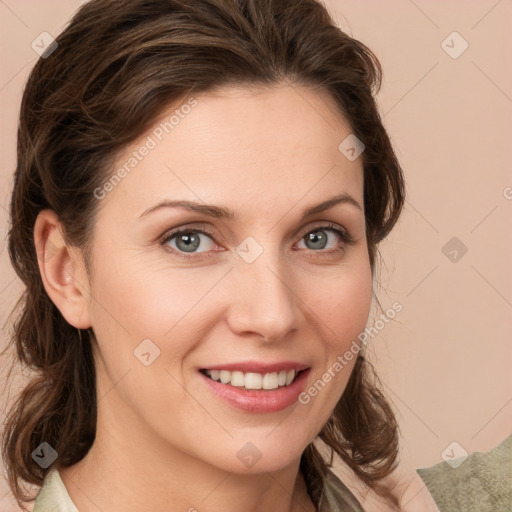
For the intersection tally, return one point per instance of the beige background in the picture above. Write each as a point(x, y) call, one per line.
point(446, 361)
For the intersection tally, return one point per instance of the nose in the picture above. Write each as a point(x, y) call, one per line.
point(264, 301)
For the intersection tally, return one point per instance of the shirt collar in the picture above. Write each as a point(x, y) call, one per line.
point(53, 495)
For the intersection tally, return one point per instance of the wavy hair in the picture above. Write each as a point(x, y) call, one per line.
point(116, 66)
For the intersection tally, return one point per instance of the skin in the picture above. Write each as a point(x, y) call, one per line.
point(164, 441)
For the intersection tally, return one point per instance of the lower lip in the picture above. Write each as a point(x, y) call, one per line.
point(259, 401)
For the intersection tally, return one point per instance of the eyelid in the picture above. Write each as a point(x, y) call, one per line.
point(347, 237)
point(170, 233)
point(173, 232)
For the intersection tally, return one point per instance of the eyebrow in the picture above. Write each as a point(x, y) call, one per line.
point(220, 212)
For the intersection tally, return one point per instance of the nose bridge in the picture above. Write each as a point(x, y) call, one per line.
point(264, 301)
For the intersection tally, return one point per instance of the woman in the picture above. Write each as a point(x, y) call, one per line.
point(199, 194)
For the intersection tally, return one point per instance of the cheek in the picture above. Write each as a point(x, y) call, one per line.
point(149, 300)
point(342, 315)
point(136, 303)
point(343, 303)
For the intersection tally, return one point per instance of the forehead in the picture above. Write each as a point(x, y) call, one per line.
point(241, 146)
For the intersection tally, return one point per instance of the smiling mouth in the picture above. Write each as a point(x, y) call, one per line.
point(253, 380)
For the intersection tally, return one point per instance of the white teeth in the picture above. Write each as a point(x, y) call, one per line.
point(252, 380)
point(270, 381)
point(237, 379)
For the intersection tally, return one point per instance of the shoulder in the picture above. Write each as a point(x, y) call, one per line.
point(53, 495)
point(482, 481)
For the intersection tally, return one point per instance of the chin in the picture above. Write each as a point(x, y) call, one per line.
point(257, 455)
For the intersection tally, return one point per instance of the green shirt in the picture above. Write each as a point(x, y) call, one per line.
point(482, 482)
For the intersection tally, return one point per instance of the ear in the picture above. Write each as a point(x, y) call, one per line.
point(62, 270)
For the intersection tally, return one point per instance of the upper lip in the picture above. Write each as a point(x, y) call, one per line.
point(259, 367)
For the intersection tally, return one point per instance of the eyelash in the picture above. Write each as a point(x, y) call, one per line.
point(345, 236)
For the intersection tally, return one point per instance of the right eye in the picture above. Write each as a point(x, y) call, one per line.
point(184, 241)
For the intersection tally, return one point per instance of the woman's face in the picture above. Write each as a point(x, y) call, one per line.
point(252, 293)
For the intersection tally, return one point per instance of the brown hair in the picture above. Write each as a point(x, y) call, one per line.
point(116, 66)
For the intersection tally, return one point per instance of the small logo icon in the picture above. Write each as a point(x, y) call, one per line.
point(47, 249)
point(146, 352)
point(249, 455)
point(351, 147)
point(44, 455)
point(454, 454)
point(454, 45)
point(249, 250)
point(44, 45)
point(454, 250)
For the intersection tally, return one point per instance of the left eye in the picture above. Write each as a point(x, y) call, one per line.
point(318, 237)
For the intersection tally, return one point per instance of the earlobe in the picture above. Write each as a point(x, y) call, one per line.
point(62, 270)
